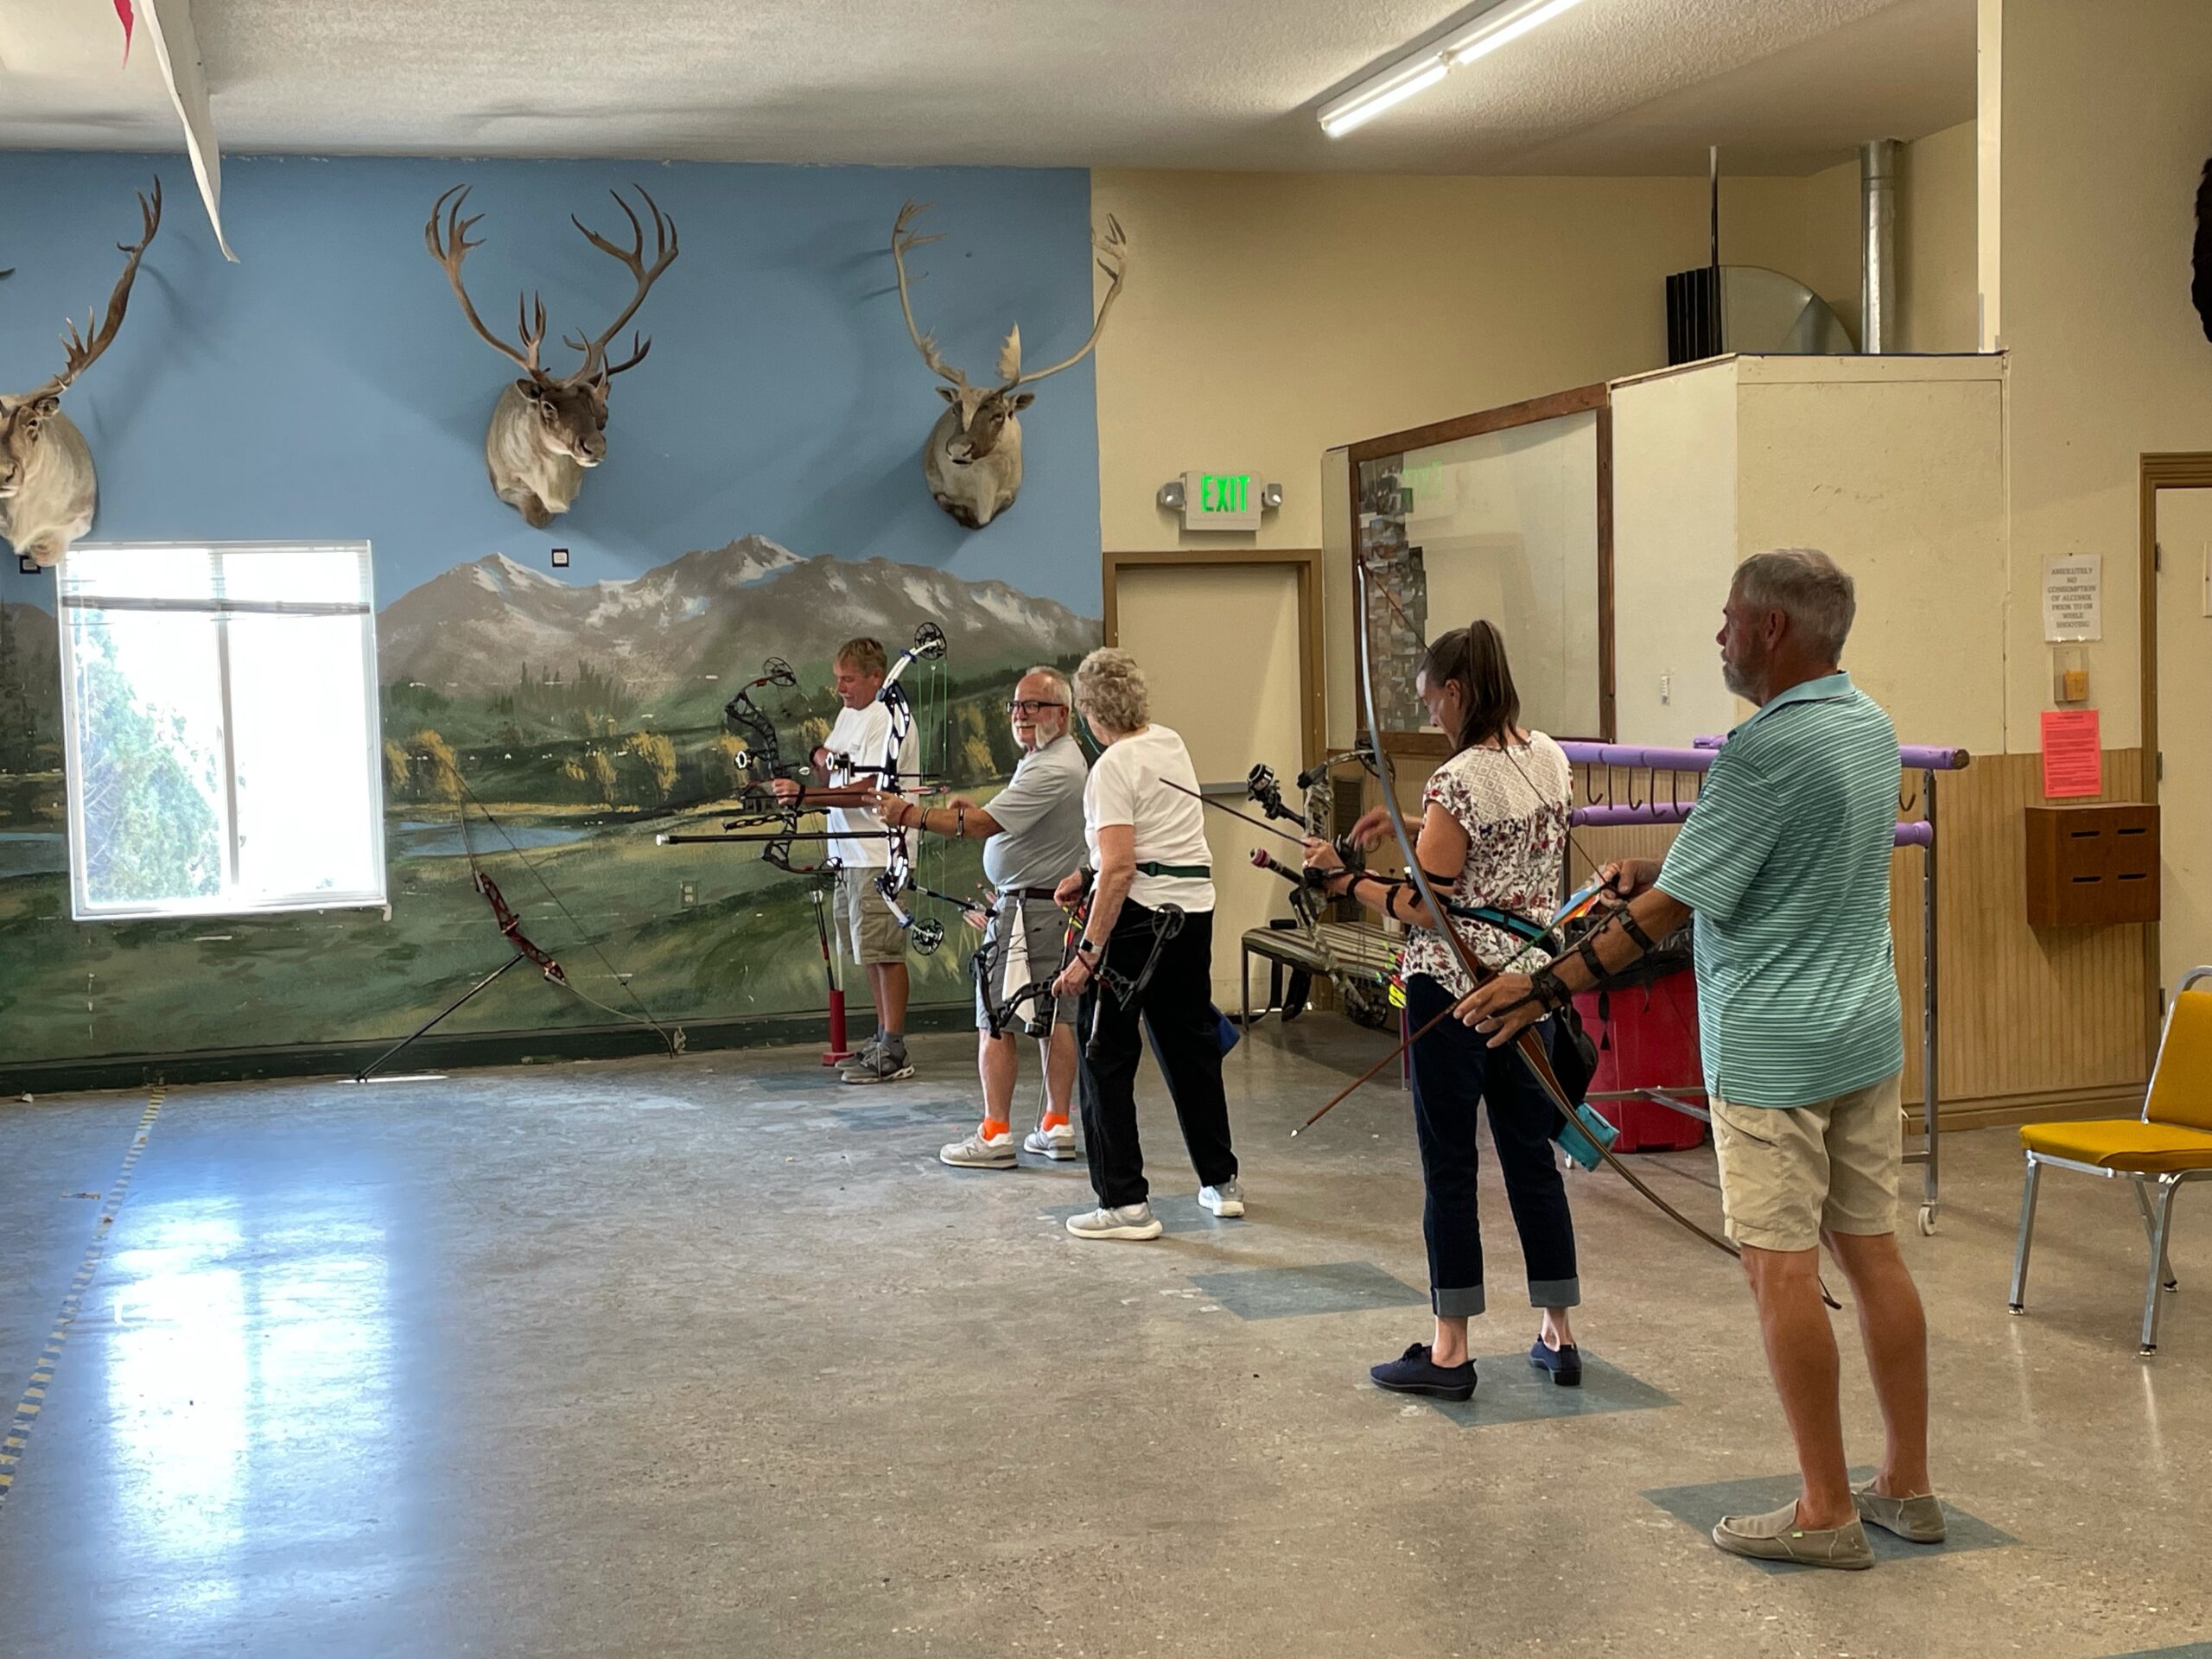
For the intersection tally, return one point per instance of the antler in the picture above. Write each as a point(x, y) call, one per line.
point(1113, 248)
point(903, 236)
point(454, 247)
point(634, 260)
point(81, 354)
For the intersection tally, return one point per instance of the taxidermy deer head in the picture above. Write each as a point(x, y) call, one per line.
point(973, 459)
point(546, 429)
point(47, 489)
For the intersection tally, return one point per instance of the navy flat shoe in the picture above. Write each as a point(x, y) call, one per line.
point(1412, 1372)
point(1564, 1364)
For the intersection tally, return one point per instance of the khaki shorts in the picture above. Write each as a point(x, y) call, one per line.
point(1788, 1174)
point(867, 931)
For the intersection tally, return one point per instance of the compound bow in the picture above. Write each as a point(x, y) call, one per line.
point(924, 933)
point(1366, 1002)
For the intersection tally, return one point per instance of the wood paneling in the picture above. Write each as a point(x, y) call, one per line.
point(2050, 1013)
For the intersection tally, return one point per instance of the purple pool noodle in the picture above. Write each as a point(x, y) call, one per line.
point(1914, 834)
point(1911, 757)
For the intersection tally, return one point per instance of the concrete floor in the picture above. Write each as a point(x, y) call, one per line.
point(713, 1356)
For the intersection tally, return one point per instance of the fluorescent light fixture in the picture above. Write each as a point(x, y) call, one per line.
point(1502, 24)
point(1386, 91)
point(1419, 71)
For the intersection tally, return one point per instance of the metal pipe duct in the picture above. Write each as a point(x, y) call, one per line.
point(1878, 202)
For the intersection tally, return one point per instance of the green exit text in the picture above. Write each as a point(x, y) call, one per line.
point(1224, 492)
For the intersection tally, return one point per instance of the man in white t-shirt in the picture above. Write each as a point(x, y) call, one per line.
point(852, 759)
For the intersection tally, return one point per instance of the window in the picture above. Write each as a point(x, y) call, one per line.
point(220, 712)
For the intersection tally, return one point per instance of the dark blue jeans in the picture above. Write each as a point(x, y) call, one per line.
point(1452, 1069)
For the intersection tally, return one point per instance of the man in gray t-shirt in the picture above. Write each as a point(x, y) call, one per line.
point(1034, 838)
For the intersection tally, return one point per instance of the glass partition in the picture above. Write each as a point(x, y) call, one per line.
point(1506, 522)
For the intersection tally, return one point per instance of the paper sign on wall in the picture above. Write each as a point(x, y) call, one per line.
point(2073, 760)
point(2073, 597)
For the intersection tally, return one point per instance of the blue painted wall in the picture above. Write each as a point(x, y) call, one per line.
point(329, 386)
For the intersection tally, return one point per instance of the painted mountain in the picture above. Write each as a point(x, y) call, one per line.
point(679, 630)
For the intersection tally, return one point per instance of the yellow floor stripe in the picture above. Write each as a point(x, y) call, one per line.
point(28, 1408)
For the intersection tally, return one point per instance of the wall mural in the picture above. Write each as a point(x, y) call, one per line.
point(546, 726)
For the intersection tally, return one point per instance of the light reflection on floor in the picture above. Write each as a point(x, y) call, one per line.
point(250, 1369)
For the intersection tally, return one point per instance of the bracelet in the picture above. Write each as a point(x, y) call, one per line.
point(960, 824)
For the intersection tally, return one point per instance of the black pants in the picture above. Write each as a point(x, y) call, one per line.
point(1176, 1007)
point(1452, 1067)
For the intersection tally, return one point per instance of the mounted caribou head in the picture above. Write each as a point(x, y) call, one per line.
point(48, 488)
point(547, 428)
point(973, 459)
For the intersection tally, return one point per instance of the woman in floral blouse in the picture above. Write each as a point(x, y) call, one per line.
point(1492, 837)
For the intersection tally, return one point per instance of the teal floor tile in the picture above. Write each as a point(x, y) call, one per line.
point(1509, 1389)
point(1287, 1293)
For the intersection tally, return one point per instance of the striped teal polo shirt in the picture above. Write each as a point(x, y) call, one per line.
point(1786, 863)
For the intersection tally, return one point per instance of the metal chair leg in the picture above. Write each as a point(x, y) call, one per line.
point(2150, 1228)
point(2018, 1299)
point(2168, 1187)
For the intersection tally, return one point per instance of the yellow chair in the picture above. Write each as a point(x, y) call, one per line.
point(2170, 1144)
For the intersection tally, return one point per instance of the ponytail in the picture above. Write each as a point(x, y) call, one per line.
point(1475, 656)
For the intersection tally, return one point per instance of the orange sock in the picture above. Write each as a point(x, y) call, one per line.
point(993, 1130)
point(1055, 1120)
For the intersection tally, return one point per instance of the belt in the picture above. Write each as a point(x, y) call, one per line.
point(1194, 872)
point(1027, 892)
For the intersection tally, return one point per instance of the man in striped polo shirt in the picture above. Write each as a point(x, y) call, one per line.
point(1785, 864)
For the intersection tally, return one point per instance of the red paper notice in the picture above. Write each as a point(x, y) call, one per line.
point(2072, 762)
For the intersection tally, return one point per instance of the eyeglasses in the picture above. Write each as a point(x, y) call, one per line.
point(1031, 706)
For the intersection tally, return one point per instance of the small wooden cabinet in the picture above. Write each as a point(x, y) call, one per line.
point(2092, 866)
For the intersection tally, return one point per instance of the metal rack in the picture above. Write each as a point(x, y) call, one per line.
point(1920, 832)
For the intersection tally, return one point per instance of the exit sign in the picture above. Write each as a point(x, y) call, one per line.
point(1223, 500)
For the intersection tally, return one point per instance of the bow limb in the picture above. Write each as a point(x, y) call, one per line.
point(1530, 1045)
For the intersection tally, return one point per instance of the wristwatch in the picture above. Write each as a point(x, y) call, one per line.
point(1086, 949)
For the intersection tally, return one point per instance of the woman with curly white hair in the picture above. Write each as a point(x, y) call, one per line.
point(1139, 960)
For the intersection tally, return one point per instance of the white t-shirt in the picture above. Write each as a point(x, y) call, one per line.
point(862, 735)
point(1126, 787)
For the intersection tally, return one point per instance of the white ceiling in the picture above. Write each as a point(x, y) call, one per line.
point(1613, 86)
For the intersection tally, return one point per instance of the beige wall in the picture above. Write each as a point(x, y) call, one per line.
point(1269, 316)
point(1936, 310)
point(1894, 465)
point(2107, 115)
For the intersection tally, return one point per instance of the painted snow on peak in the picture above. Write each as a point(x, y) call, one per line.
point(673, 632)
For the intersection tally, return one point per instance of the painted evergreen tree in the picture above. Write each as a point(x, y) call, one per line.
point(18, 733)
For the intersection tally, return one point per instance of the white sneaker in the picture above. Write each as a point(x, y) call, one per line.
point(979, 1152)
point(1130, 1221)
point(1057, 1142)
point(1226, 1200)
